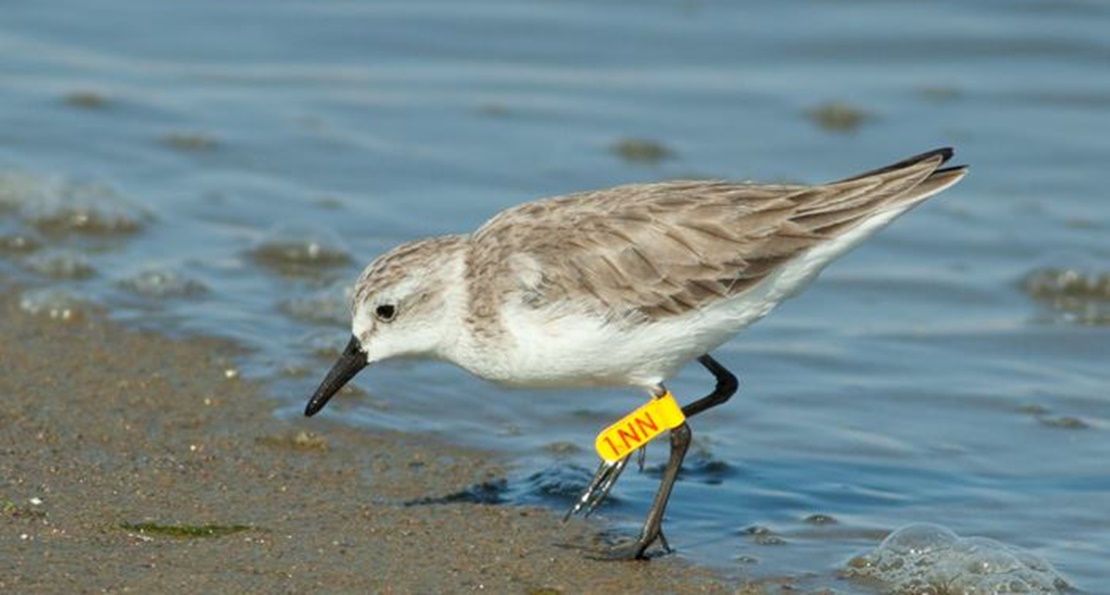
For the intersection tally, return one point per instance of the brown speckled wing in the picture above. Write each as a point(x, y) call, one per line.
point(657, 250)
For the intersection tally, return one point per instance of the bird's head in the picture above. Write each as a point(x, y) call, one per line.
point(397, 310)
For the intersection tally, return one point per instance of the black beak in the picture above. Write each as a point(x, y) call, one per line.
point(350, 363)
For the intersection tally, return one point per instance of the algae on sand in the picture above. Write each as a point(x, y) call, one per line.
point(184, 531)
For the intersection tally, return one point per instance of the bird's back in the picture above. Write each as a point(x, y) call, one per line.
point(661, 250)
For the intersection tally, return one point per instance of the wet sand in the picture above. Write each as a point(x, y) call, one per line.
point(104, 429)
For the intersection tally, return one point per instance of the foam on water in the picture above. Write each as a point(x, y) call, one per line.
point(60, 264)
point(58, 206)
point(328, 306)
point(54, 303)
point(928, 559)
point(1076, 296)
point(162, 283)
point(295, 252)
point(18, 242)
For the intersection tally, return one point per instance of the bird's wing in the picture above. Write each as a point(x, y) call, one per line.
point(658, 250)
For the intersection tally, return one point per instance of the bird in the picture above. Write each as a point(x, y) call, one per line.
point(619, 287)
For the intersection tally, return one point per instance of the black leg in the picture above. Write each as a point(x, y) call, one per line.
point(603, 481)
point(680, 443)
point(653, 525)
point(726, 387)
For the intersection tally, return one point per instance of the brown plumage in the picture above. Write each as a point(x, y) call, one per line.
point(658, 250)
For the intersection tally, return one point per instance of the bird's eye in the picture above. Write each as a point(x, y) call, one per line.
point(385, 312)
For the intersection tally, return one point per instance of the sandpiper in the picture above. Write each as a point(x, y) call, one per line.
point(619, 287)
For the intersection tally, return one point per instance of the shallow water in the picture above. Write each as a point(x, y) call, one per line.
point(212, 168)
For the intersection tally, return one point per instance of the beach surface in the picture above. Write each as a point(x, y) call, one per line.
point(131, 462)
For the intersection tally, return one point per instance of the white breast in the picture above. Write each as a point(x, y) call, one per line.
point(540, 349)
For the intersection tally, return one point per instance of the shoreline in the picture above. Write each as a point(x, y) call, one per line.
point(130, 461)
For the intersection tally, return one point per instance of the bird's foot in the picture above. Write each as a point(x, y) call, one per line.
point(598, 488)
point(636, 550)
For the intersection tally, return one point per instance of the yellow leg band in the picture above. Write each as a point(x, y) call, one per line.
point(639, 427)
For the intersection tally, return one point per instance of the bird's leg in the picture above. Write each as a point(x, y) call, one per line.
point(606, 477)
point(653, 525)
point(603, 481)
point(680, 442)
point(726, 387)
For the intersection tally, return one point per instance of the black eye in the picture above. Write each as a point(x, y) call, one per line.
point(385, 312)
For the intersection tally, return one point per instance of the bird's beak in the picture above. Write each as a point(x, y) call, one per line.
point(350, 363)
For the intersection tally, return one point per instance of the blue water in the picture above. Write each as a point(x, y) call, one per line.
point(220, 149)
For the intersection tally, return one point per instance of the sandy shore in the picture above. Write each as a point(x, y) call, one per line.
point(110, 437)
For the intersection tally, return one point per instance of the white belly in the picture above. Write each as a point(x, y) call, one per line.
point(576, 351)
point(580, 351)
